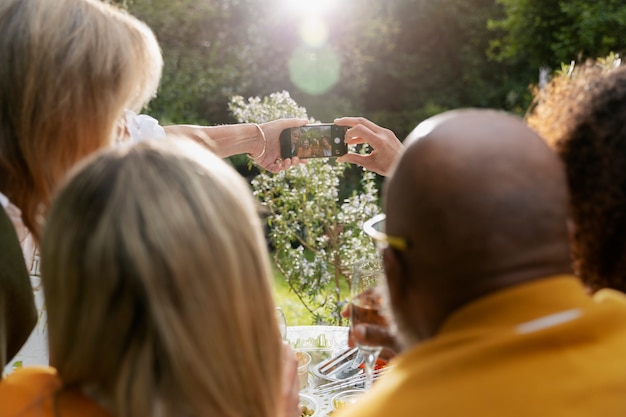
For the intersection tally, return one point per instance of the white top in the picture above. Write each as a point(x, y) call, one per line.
point(142, 127)
point(35, 350)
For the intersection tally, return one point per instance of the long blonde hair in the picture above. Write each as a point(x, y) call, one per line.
point(69, 68)
point(157, 283)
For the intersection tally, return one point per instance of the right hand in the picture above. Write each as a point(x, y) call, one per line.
point(373, 334)
point(386, 147)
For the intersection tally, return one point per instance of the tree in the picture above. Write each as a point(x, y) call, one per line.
point(437, 60)
point(547, 33)
point(315, 233)
point(395, 62)
point(214, 49)
point(203, 61)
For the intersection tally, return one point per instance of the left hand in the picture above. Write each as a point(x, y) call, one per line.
point(271, 159)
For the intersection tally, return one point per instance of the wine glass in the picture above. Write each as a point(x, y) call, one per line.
point(282, 323)
point(365, 307)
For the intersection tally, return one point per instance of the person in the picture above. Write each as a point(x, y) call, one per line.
point(386, 147)
point(75, 70)
point(326, 146)
point(305, 151)
point(581, 116)
point(296, 134)
point(476, 256)
point(316, 149)
point(142, 325)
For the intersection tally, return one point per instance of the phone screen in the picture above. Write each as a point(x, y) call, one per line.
point(324, 140)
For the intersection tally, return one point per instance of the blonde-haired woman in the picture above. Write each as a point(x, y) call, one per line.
point(157, 283)
point(73, 74)
point(69, 69)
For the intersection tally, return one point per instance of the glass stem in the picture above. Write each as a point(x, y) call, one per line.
point(369, 360)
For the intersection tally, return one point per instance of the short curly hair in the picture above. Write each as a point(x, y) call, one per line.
point(582, 115)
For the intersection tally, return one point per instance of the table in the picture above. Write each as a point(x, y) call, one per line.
point(334, 338)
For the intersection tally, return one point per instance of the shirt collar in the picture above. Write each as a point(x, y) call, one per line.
point(520, 304)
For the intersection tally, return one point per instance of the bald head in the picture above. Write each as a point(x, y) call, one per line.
point(482, 201)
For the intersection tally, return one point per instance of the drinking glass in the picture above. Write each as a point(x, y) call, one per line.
point(282, 323)
point(365, 307)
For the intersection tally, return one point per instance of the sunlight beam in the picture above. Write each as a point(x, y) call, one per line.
point(314, 32)
point(309, 8)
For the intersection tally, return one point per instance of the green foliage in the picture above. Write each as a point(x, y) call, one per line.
point(546, 33)
point(316, 235)
point(397, 61)
point(259, 110)
point(551, 110)
point(203, 64)
point(316, 240)
point(295, 313)
point(436, 60)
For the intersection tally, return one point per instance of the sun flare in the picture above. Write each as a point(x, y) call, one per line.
point(309, 7)
point(314, 32)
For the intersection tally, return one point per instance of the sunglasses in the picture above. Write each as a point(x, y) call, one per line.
point(375, 228)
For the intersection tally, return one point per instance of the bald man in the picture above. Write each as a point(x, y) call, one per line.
point(491, 321)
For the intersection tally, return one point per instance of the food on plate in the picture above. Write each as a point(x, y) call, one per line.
point(346, 397)
point(380, 364)
point(306, 411)
point(308, 406)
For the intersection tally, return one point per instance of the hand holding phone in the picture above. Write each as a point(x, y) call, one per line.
point(324, 140)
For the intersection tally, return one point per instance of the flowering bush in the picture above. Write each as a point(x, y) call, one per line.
point(316, 238)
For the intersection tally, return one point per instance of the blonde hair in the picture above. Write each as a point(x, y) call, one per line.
point(69, 69)
point(157, 284)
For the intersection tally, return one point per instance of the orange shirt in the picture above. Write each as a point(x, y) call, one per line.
point(544, 348)
point(36, 392)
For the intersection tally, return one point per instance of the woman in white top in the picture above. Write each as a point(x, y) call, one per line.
point(71, 69)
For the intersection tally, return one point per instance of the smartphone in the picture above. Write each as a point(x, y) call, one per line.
point(324, 140)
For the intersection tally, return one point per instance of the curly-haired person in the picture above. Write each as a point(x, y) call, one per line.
point(582, 115)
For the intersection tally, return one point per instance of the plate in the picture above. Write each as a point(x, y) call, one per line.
point(346, 398)
point(311, 404)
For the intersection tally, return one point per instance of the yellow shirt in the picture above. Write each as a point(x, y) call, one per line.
point(544, 348)
point(37, 392)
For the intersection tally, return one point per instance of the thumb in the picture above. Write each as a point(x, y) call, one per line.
point(375, 335)
point(353, 158)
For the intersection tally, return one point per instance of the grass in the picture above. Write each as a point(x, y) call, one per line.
point(295, 313)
